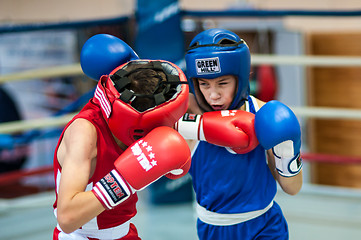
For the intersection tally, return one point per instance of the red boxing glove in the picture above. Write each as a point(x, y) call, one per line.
point(162, 152)
point(227, 128)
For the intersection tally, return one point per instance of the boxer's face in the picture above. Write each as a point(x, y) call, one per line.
point(218, 92)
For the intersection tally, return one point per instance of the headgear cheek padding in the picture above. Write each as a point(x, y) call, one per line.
point(129, 124)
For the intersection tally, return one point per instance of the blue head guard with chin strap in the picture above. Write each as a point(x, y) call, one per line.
point(217, 52)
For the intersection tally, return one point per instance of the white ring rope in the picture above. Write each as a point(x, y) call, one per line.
point(257, 59)
point(60, 71)
point(308, 112)
point(343, 61)
point(18, 126)
point(327, 113)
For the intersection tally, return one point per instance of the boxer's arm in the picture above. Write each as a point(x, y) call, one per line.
point(283, 143)
point(75, 207)
point(227, 128)
point(162, 152)
point(290, 185)
point(193, 108)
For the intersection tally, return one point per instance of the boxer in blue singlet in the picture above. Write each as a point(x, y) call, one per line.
point(235, 192)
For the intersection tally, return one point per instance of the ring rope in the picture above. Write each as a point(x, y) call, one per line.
point(5, 178)
point(272, 13)
point(8, 141)
point(40, 123)
point(330, 158)
point(342, 61)
point(257, 59)
point(327, 112)
point(12, 28)
point(13, 176)
point(316, 112)
point(60, 71)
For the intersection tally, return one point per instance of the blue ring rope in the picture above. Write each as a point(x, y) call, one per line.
point(228, 13)
point(12, 28)
point(272, 13)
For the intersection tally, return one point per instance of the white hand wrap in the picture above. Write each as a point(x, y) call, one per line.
point(190, 126)
point(288, 164)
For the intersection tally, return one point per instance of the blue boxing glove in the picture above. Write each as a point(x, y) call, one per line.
point(102, 53)
point(277, 127)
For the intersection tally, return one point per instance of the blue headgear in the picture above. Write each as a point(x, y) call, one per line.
point(217, 52)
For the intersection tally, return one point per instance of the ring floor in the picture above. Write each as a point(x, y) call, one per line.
point(317, 212)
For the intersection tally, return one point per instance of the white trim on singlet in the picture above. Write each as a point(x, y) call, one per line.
point(255, 104)
point(221, 219)
point(108, 233)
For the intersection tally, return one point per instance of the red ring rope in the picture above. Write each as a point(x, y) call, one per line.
point(307, 157)
point(330, 158)
point(16, 175)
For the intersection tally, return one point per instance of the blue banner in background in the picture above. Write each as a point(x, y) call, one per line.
point(159, 33)
point(160, 36)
